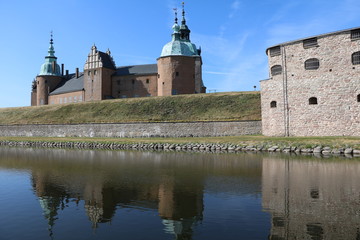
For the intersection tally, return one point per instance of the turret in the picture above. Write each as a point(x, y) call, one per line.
point(179, 66)
point(49, 76)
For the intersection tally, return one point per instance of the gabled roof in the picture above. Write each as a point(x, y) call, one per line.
point(106, 60)
point(70, 85)
point(137, 70)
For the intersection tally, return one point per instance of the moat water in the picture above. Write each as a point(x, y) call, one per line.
point(84, 194)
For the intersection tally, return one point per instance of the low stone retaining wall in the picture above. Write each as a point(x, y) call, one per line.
point(193, 147)
point(134, 130)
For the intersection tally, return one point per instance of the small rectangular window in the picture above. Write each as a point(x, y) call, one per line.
point(355, 34)
point(133, 81)
point(147, 80)
point(311, 42)
point(177, 73)
point(275, 51)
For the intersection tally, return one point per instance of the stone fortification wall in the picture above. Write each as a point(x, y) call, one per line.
point(334, 84)
point(133, 130)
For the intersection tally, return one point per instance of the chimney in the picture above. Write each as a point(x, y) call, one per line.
point(62, 69)
point(77, 72)
point(67, 72)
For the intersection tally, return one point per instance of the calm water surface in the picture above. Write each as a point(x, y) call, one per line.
point(83, 194)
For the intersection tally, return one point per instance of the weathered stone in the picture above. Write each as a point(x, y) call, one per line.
point(348, 151)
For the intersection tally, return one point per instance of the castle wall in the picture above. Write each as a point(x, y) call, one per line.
point(198, 75)
point(33, 97)
point(188, 129)
point(71, 97)
point(134, 86)
point(335, 85)
point(97, 84)
point(176, 75)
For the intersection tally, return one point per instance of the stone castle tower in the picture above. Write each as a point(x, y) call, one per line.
point(48, 78)
point(98, 70)
point(179, 66)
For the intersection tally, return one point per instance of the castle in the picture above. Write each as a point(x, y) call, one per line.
point(314, 86)
point(178, 71)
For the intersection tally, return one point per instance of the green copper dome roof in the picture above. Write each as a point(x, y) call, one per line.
point(50, 59)
point(180, 44)
point(179, 47)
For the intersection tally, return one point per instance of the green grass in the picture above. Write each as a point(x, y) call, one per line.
point(303, 142)
point(181, 108)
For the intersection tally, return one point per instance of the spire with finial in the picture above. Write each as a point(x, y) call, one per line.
point(50, 67)
point(176, 27)
point(183, 21)
point(184, 30)
point(51, 50)
point(176, 19)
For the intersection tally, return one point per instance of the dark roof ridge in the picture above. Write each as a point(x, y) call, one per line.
point(314, 36)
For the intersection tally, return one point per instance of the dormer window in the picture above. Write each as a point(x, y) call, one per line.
point(275, 51)
point(355, 34)
point(311, 42)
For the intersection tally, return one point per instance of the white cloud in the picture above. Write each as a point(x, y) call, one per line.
point(235, 6)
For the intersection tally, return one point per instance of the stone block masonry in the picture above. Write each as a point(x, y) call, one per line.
point(135, 130)
point(313, 89)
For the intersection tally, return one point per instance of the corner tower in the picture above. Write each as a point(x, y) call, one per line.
point(179, 66)
point(48, 78)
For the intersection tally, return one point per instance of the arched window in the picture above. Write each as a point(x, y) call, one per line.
point(313, 101)
point(273, 104)
point(358, 98)
point(275, 70)
point(355, 58)
point(312, 64)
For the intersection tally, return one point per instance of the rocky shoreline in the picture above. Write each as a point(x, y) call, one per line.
point(198, 147)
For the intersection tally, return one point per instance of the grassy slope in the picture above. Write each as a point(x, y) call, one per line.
point(199, 107)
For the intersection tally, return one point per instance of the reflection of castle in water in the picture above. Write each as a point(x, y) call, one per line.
point(148, 181)
point(312, 199)
point(179, 207)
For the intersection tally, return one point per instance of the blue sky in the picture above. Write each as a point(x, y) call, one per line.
point(233, 35)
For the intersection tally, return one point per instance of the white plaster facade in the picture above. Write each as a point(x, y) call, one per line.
point(335, 84)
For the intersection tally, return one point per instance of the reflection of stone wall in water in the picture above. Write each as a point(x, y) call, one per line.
point(310, 199)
